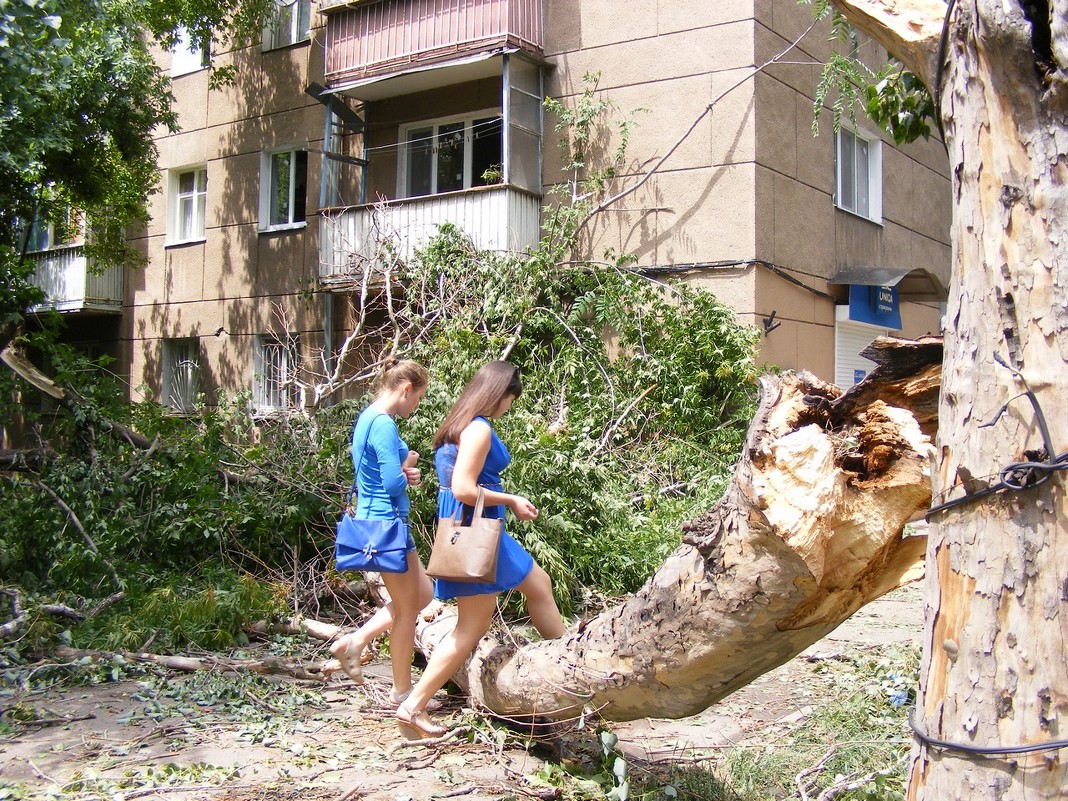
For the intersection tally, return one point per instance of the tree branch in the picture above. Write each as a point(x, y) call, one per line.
point(909, 29)
point(604, 204)
point(81, 529)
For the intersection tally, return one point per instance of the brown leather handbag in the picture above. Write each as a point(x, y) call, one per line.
point(466, 553)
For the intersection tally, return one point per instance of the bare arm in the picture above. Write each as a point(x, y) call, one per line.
point(471, 455)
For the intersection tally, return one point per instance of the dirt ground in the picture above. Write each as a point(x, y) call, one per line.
point(349, 747)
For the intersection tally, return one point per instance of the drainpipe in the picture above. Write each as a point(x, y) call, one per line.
point(327, 171)
point(506, 117)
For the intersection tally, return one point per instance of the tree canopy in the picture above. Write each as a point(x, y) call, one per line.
point(81, 95)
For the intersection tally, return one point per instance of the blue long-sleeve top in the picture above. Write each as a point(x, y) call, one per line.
point(381, 487)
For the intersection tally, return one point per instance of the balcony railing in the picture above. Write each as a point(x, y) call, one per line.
point(378, 38)
point(496, 218)
point(63, 273)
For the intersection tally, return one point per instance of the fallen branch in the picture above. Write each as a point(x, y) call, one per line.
point(19, 616)
point(273, 666)
point(298, 624)
point(81, 529)
point(62, 610)
point(30, 460)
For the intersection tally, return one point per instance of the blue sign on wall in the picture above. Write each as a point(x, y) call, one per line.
point(877, 305)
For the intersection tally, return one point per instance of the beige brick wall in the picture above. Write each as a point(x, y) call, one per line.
point(238, 278)
point(749, 185)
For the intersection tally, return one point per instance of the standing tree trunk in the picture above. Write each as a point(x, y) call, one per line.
point(995, 673)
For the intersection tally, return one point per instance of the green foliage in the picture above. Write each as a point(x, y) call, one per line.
point(81, 95)
point(900, 104)
point(583, 128)
point(892, 97)
point(204, 611)
point(634, 394)
point(80, 98)
point(841, 85)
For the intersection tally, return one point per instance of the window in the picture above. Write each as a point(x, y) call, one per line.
point(273, 385)
point(43, 235)
point(283, 188)
point(449, 155)
point(189, 196)
point(859, 175)
point(290, 24)
point(187, 57)
point(181, 373)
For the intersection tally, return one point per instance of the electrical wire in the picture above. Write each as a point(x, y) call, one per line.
point(981, 750)
point(940, 69)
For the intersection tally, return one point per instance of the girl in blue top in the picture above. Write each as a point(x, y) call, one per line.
point(385, 468)
point(468, 454)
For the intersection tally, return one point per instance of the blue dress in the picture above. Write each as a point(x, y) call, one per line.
point(513, 562)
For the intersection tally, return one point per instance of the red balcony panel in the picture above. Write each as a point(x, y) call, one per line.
point(378, 38)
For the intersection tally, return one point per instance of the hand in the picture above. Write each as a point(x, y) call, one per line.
point(413, 457)
point(414, 476)
point(522, 508)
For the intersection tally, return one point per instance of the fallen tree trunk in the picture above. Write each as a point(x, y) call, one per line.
point(809, 530)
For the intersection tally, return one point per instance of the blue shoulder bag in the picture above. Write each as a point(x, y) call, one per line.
point(380, 545)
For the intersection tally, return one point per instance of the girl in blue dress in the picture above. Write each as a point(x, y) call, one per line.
point(469, 455)
point(385, 468)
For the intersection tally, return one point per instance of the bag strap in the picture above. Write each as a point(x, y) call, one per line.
point(476, 510)
point(479, 503)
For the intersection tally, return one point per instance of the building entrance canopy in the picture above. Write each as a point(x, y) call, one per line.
point(912, 283)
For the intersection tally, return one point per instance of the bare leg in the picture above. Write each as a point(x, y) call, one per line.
point(412, 587)
point(473, 621)
point(410, 592)
point(541, 606)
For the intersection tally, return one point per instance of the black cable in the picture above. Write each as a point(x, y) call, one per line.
point(942, 40)
point(1016, 476)
point(982, 750)
point(1009, 481)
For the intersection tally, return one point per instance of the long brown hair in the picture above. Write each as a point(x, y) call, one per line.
point(492, 383)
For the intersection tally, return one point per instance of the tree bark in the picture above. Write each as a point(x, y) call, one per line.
point(994, 673)
point(809, 531)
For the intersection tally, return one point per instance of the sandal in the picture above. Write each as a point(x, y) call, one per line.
point(418, 725)
point(350, 663)
point(396, 699)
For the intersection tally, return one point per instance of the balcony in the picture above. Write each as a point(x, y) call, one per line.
point(63, 273)
point(369, 39)
point(501, 218)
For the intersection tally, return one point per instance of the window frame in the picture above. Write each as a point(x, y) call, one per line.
point(404, 168)
point(39, 235)
point(199, 200)
point(277, 36)
point(273, 394)
point(297, 200)
point(177, 350)
point(872, 177)
point(187, 58)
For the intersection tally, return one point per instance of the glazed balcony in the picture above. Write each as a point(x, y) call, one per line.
point(501, 218)
point(368, 39)
point(70, 286)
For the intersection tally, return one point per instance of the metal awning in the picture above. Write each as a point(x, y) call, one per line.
point(913, 283)
point(419, 78)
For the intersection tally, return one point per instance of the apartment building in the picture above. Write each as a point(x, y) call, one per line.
point(410, 113)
